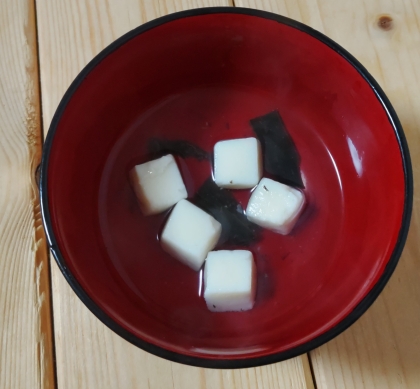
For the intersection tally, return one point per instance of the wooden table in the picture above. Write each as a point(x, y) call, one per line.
point(48, 339)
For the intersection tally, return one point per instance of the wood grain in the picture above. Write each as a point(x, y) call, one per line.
point(88, 354)
point(26, 352)
point(382, 350)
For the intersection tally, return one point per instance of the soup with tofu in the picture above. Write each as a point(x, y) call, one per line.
point(225, 184)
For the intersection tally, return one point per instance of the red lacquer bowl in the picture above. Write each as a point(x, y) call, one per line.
point(201, 75)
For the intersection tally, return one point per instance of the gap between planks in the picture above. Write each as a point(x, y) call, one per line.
point(43, 247)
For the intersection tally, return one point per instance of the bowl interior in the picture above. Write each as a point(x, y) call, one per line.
point(202, 78)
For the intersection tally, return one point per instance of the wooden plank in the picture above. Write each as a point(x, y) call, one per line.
point(382, 350)
point(26, 352)
point(88, 354)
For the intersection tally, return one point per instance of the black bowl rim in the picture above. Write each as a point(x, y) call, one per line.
point(246, 362)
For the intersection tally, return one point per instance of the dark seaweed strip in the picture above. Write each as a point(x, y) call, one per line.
point(182, 148)
point(281, 158)
point(220, 203)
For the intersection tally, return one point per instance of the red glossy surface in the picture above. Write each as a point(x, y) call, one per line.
point(202, 78)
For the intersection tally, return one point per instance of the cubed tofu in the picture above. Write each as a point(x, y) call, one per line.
point(237, 163)
point(275, 206)
point(189, 234)
point(158, 185)
point(230, 280)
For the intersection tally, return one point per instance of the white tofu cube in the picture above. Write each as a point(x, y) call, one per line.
point(230, 280)
point(237, 163)
point(189, 234)
point(275, 206)
point(158, 184)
